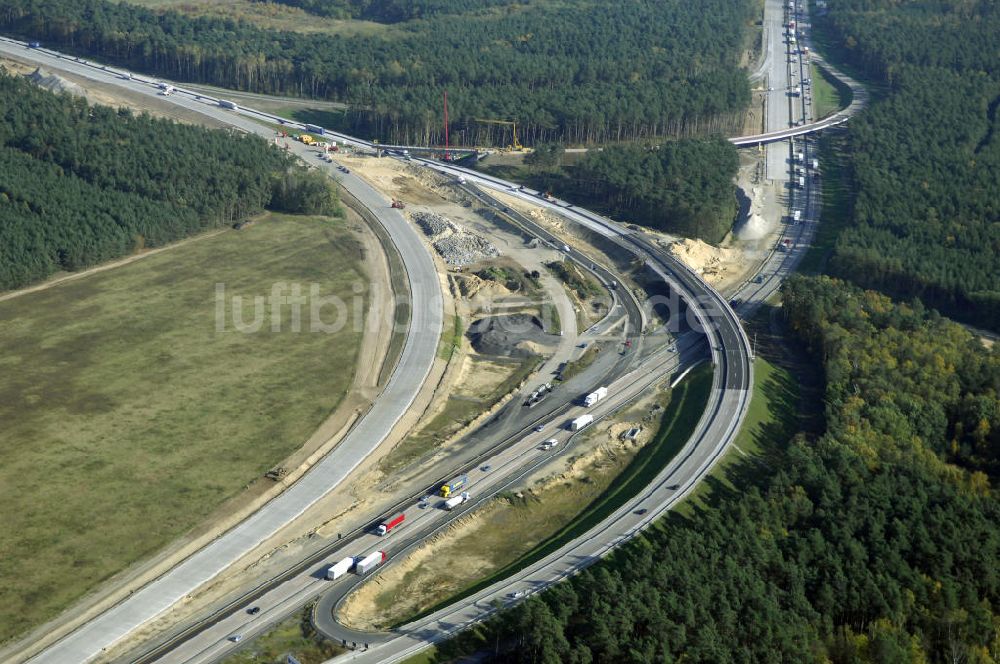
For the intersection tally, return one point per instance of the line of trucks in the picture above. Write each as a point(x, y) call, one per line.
point(589, 400)
point(452, 492)
point(454, 496)
point(361, 565)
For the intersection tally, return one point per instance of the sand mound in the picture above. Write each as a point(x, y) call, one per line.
point(713, 263)
point(53, 83)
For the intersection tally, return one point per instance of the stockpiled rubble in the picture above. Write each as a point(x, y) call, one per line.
point(456, 245)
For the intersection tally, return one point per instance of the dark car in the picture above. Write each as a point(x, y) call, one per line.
point(642, 511)
point(253, 610)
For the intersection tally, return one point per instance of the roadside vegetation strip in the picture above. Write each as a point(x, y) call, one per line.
point(579, 365)
point(772, 419)
point(459, 411)
point(571, 275)
point(451, 339)
point(687, 403)
point(829, 93)
point(836, 200)
point(294, 636)
point(123, 400)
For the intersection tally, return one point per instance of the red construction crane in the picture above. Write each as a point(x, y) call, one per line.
point(447, 157)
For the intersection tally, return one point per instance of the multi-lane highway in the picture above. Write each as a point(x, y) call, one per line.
point(786, 68)
point(420, 348)
point(729, 348)
point(424, 516)
point(730, 352)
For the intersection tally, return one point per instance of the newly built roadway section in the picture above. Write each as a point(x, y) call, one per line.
point(729, 347)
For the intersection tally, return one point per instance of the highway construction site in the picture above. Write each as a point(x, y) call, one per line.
point(538, 366)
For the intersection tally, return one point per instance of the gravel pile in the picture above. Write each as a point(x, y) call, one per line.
point(433, 224)
point(507, 335)
point(456, 245)
point(465, 249)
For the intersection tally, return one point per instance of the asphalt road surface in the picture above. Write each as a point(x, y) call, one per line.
point(423, 517)
point(728, 346)
point(419, 350)
point(728, 401)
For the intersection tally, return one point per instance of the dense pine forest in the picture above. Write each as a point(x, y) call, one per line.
point(579, 72)
point(82, 184)
point(683, 187)
point(926, 158)
point(878, 542)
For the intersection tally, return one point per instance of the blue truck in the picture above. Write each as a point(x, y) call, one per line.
point(454, 486)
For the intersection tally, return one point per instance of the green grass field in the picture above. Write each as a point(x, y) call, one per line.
point(128, 417)
point(772, 418)
point(829, 95)
point(269, 15)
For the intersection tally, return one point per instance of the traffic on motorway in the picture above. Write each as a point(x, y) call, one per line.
point(730, 351)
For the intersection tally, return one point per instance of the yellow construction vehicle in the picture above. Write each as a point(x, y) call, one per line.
point(514, 144)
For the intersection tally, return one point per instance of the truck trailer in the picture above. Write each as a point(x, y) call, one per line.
point(454, 486)
point(228, 104)
point(369, 562)
point(581, 422)
point(455, 501)
point(595, 396)
point(339, 569)
point(386, 526)
point(316, 129)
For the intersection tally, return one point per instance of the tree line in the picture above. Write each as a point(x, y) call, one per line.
point(82, 184)
point(925, 159)
point(572, 72)
point(876, 542)
point(684, 186)
point(388, 11)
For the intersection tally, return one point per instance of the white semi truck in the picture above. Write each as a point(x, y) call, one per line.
point(595, 396)
point(581, 422)
point(339, 569)
point(369, 562)
point(455, 501)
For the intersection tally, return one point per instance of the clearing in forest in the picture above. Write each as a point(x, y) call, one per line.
point(128, 417)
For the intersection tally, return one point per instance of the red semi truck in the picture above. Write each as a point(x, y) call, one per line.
point(386, 526)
